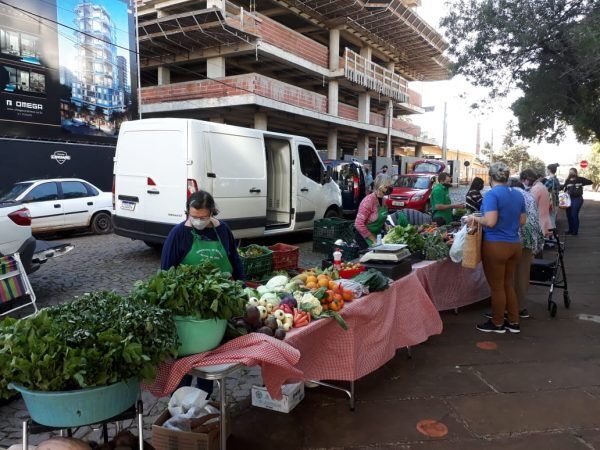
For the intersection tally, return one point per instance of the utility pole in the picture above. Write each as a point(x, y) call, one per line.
point(137, 58)
point(445, 134)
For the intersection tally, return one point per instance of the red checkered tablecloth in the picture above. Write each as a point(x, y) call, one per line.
point(378, 324)
point(451, 286)
point(277, 359)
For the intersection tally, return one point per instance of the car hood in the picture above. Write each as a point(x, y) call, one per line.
point(409, 192)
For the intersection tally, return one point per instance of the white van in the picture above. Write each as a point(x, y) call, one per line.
point(263, 183)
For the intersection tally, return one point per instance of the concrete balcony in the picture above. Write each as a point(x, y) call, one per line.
point(374, 77)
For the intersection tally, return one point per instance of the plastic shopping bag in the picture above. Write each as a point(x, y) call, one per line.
point(456, 251)
point(564, 200)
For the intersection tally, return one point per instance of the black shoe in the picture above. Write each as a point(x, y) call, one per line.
point(524, 314)
point(512, 327)
point(489, 327)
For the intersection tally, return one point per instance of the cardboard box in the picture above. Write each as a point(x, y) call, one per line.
point(166, 439)
point(292, 395)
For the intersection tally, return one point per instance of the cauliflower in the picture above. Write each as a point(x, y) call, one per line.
point(310, 303)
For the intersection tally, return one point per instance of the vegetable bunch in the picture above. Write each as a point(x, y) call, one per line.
point(201, 291)
point(373, 279)
point(405, 235)
point(96, 340)
point(435, 247)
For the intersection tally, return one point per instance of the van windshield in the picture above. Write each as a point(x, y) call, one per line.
point(413, 182)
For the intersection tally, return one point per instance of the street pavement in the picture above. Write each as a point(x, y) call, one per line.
point(538, 389)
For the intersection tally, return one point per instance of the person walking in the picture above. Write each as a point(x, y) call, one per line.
point(533, 183)
point(503, 210)
point(474, 197)
point(441, 204)
point(553, 186)
point(532, 241)
point(372, 214)
point(368, 180)
point(574, 187)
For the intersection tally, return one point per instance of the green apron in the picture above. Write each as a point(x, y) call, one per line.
point(376, 226)
point(212, 251)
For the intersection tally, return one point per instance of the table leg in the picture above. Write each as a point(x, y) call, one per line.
point(408, 353)
point(25, 435)
point(352, 396)
point(140, 424)
point(223, 434)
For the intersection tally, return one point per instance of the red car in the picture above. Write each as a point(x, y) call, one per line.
point(413, 190)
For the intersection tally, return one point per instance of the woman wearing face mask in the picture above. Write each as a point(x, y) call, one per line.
point(372, 213)
point(574, 187)
point(200, 238)
point(534, 184)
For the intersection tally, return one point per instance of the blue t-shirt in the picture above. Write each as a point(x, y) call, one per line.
point(510, 205)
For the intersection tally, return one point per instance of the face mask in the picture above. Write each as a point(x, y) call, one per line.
point(199, 224)
point(388, 191)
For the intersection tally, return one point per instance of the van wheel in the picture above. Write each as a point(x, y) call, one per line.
point(154, 246)
point(332, 213)
point(101, 223)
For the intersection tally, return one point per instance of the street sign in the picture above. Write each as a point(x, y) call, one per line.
point(583, 164)
point(467, 163)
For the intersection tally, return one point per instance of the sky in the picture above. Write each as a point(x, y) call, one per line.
point(458, 93)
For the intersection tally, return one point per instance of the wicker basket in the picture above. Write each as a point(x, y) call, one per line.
point(285, 256)
point(257, 265)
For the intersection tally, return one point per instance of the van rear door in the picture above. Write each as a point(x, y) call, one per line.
point(236, 162)
point(151, 180)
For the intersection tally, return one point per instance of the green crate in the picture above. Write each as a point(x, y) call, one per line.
point(257, 265)
point(327, 246)
point(323, 246)
point(333, 228)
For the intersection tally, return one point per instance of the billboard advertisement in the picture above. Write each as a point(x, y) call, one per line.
point(68, 69)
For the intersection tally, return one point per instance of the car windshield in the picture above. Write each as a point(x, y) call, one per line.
point(413, 182)
point(10, 194)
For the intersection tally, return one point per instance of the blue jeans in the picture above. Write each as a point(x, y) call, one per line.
point(573, 214)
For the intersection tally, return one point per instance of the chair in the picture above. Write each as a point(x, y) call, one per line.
point(15, 289)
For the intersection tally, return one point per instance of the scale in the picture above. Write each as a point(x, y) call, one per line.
point(393, 253)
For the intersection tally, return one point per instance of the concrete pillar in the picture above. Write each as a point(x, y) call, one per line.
point(215, 67)
point(366, 52)
point(363, 146)
point(260, 121)
point(215, 3)
point(334, 49)
point(419, 150)
point(333, 98)
point(332, 143)
point(364, 107)
point(164, 75)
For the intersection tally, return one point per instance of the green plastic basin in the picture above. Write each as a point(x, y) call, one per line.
point(197, 336)
point(80, 407)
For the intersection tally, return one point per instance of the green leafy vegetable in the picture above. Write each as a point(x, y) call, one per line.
point(373, 279)
point(434, 246)
point(96, 340)
point(405, 235)
point(201, 291)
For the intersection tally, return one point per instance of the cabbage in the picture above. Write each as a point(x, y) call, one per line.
point(278, 281)
point(262, 290)
point(271, 298)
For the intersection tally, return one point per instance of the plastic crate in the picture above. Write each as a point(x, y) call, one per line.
point(349, 252)
point(284, 256)
point(257, 265)
point(323, 246)
point(333, 229)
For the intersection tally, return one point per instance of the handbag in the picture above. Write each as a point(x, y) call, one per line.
point(564, 200)
point(472, 247)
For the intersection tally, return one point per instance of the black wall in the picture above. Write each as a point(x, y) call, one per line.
point(22, 160)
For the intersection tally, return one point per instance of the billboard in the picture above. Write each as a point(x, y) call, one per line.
point(68, 69)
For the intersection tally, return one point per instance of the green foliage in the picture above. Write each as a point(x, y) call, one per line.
point(593, 170)
point(96, 340)
point(550, 50)
point(405, 235)
point(434, 246)
point(201, 291)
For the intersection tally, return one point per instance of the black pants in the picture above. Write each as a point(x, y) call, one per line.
point(361, 241)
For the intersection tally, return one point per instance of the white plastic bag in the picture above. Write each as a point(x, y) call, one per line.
point(186, 398)
point(357, 289)
point(564, 200)
point(456, 251)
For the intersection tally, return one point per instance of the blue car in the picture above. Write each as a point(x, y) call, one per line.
point(350, 177)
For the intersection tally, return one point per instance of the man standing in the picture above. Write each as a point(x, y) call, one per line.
point(441, 204)
point(384, 173)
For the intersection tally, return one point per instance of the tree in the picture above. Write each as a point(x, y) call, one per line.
point(549, 49)
point(593, 170)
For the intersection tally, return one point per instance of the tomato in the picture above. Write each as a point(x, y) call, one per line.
point(347, 295)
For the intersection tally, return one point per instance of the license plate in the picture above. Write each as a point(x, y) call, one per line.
point(398, 203)
point(128, 206)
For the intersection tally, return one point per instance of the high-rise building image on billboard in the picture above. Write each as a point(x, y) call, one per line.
point(99, 77)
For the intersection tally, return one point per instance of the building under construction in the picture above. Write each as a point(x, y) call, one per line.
point(336, 71)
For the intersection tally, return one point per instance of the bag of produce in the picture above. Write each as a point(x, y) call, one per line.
point(357, 289)
point(472, 247)
point(564, 200)
point(456, 251)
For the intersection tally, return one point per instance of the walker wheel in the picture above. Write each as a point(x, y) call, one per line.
point(567, 300)
point(553, 308)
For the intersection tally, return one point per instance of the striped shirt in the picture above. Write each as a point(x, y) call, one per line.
point(473, 200)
